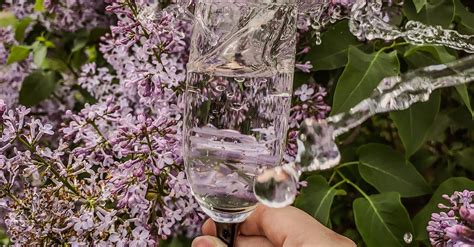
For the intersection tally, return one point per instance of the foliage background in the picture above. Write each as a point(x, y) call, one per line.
point(395, 166)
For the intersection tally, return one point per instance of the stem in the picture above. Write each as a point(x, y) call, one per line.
point(134, 10)
point(353, 185)
point(96, 128)
point(342, 166)
point(44, 162)
point(15, 199)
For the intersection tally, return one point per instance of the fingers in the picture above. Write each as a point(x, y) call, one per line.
point(287, 225)
point(209, 228)
point(207, 241)
point(283, 227)
point(243, 241)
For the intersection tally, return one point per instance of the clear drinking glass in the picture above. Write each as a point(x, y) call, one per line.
point(237, 100)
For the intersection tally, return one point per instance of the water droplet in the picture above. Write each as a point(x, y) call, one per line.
point(220, 88)
point(303, 137)
point(230, 94)
point(240, 80)
point(408, 238)
point(276, 188)
point(237, 106)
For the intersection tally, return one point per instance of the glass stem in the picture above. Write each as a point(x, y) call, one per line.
point(227, 232)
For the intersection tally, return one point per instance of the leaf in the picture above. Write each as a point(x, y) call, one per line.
point(39, 54)
point(437, 131)
point(465, 158)
point(414, 123)
point(464, 17)
point(332, 53)
point(361, 76)
point(7, 19)
point(317, 198)
point(91, 53)
point(54, 64)
point(18, 54)
point(37, 87)
point(21, 28)
point(435, 13)
point(464, 94)
point(419, 4)
point(382, 220)
point(426, 55)
point(388, 171)
point(79, 43)
point(447, 187)
point(39, 5)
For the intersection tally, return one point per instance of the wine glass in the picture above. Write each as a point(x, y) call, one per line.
point(237, 102)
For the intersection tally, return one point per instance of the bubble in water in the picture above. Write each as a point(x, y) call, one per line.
point(220, 88)
point(277, 187)
point(408, 238)
point(240, 80)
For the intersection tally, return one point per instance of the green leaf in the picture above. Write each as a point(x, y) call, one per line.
point(465, 158)
point(382, 220)
point(7, 19)
point(414, 123)
point(21, 28)
point(361, 76)
point(435, 12)
point(464, 94)
point(426, 55)
point(39, 5)
point(447, 187)
point(54, 64)
point(18, 54)
point(91, 53)
point(388, 171)
point(39, 54)
point(37, 87)
point(332, 53)
point(79, 43)
point(317, 198)
point(419, 4)
point(464, 17)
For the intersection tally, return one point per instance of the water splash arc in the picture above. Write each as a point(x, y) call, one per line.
point(317, 149)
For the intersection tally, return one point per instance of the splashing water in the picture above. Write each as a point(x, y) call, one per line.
point(317, 149)
point(367, 22)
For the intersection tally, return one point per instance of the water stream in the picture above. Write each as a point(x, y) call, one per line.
point(317, 149)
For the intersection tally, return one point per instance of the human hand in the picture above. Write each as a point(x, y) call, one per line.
point(269, 227)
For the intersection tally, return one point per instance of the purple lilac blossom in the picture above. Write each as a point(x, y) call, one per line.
point(69, 16)
point(453, 226)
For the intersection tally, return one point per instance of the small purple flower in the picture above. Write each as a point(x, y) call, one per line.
point(453, 228)
point(306, 67)
point(304, 92)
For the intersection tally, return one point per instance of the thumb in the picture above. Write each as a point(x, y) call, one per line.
point(207, 241)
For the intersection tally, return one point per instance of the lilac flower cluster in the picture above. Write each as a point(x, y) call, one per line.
point(455, 226)
point(69, 16)
point(309, 103)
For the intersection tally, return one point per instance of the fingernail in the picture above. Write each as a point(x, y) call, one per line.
point(207, 241)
